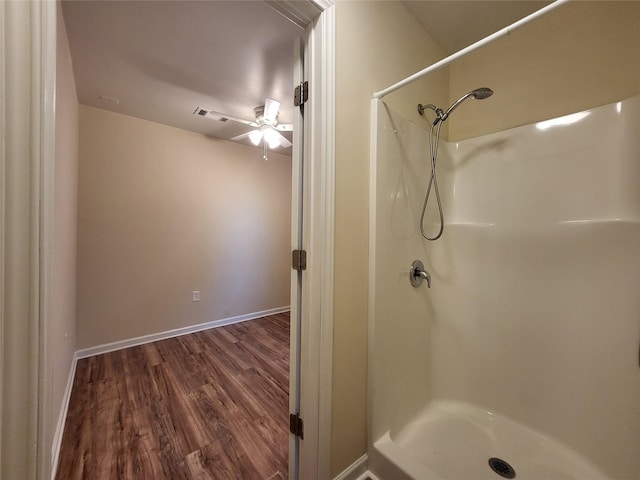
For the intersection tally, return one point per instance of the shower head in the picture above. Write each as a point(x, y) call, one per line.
point(482, 93)
point(478, 94)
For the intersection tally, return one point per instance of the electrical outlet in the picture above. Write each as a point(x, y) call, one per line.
point(195, 296)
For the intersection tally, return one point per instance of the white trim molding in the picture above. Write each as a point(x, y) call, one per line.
point(176, 332)
point(326, 221)
point(27, 58)
point(356, 471)
point(62, 418)
point(318, 239)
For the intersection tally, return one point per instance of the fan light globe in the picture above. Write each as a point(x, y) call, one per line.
point(271, 137)
point(255, 137)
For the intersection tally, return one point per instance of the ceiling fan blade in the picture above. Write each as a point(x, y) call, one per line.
point(284, 127)
point(271, 108)
point(222, 117)
point(284, 142)
point(242, 136)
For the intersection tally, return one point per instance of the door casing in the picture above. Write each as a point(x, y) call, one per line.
point(315, 336)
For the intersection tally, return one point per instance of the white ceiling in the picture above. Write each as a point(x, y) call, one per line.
point(161, 59)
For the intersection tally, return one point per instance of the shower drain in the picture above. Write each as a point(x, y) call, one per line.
point(502, 468)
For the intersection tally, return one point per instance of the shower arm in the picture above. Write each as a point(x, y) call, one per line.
point(421, 108)
point(440, 114)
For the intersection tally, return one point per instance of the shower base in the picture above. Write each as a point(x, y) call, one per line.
point(456, 441)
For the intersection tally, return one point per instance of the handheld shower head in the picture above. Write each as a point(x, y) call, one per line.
point(482, 93)
point(478, 94)
point(441, 116)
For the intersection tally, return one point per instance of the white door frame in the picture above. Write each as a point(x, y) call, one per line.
point(316, 339)
point(27, 159)
point(27, 123)
point(316, 329)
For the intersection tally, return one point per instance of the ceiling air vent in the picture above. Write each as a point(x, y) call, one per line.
point(204, 113)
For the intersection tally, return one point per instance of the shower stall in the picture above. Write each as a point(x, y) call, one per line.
point(522, 359)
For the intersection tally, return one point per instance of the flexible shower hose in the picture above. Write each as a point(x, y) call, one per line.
point(433, 181)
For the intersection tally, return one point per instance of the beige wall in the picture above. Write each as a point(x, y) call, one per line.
point(379, 43)
point(63, 294)
point(579, 56)
point(163, 212)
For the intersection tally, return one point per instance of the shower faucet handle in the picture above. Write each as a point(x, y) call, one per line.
point(426, 276)
point(417, 274)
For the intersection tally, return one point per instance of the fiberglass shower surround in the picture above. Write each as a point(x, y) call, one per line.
point(521, 360)
point(521, 351)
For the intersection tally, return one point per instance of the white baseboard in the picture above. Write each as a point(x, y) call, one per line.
point(132, 342)
point(62, 417)
point(356, 471)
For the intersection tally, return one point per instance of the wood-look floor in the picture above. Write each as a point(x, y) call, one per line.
point(209, 405)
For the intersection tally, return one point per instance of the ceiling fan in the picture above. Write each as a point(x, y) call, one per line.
point(266, 127)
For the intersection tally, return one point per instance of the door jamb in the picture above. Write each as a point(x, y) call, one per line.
point(27, 157)
point(317, 314)
point(317, 343)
